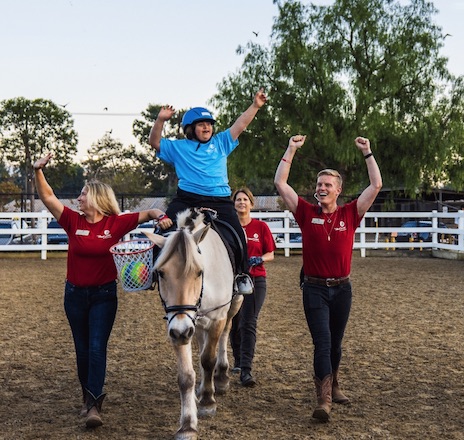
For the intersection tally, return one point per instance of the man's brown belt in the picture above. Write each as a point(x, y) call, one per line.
point(329, 282)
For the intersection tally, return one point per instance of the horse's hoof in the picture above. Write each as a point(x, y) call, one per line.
point(221, 389)
point(191, 434)
point(206, 411)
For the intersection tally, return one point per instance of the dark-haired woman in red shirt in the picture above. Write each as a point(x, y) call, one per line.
point(261, 246)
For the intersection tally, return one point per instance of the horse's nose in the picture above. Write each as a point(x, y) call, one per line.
point(181, 337)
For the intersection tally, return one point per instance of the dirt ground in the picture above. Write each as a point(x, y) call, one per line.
point(403, 363)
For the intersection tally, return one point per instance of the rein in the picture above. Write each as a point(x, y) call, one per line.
point(212, 309)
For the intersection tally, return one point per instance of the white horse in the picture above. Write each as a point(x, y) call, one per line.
point(195, 279)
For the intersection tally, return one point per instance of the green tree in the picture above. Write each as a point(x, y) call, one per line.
point(357, 67)
point(9, 192)
point(117, 165)
point(4, 174)
point(31, 128)
point(66, 179)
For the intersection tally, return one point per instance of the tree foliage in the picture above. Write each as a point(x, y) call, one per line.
point(66, 179)
point(31, 128)
point(9, 192)
point(109, 161)
point(357, 67)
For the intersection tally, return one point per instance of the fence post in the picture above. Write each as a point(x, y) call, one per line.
point(461, 227)
point(435, 225)
point(43, 224)
point(286, 234)
point(362, 238)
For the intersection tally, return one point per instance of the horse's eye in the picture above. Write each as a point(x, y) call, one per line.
point(160, 274)
point(200, 273)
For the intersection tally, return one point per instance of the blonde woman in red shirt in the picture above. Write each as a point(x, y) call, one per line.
point(90, 299)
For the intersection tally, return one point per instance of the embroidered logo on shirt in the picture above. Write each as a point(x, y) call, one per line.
point(211, 148)
point(106, 234)
point(254, 238)
point(342, 227)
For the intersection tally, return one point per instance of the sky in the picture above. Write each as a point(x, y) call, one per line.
point(107, 60)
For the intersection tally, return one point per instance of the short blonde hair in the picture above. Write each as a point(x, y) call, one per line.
point(101, 197)
point(245, 191)
point(333, 173)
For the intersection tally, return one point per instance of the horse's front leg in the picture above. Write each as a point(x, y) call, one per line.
point(186, 381)
point(208, 343)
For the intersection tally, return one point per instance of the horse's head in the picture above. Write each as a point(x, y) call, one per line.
point(180, 274)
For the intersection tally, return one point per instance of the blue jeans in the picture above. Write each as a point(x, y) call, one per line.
point(327, 310)
point(91, 312)
point(244, 324)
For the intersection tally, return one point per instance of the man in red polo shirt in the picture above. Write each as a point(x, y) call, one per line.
point(328, 234)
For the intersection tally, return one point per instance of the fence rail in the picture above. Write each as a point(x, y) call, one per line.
point(446, 232)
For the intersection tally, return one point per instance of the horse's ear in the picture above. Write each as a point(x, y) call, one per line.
point(200, 235)
point(159, 240)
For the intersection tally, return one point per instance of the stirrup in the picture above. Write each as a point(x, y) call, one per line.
point(243, 284)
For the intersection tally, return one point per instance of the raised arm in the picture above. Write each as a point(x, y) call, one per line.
point(156, 131)
point(248, 115)
point(367, 197)
point(288, 194)
point(44, 190)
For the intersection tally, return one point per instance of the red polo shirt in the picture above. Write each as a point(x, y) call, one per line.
point(90, 262)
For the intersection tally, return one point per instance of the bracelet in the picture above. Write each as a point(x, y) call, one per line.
point(162, 217)
point(368, 155)
point(285, 160)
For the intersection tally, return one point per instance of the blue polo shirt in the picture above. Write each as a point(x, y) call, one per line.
point(200, 168)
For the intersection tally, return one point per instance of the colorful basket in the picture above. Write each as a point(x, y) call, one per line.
point(134, 262)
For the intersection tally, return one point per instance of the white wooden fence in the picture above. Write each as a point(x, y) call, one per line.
point(21, 237)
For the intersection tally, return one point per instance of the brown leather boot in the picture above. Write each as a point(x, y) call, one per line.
point(324, 398)
point(337, 395)
point(94, 405)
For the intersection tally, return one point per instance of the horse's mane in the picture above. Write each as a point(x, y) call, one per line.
point(181, 242)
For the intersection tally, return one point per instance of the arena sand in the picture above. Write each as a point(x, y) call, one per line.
point(403, 362)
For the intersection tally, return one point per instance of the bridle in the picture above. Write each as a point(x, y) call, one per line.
point(181, 309)
point(184, 309)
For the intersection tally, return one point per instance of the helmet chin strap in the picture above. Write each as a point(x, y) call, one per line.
point(200, 143)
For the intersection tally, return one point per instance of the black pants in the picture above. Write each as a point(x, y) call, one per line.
point(225, 209)
point(327, 310)
point(245, 323)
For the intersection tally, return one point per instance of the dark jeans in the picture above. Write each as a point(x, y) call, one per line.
point(327, 310)
point(244, 324)
point(226, 212)
point(91, 312)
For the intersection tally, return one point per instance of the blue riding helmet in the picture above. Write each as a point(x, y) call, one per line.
point(196, 114)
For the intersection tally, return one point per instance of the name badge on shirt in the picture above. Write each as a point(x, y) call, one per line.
point(83, 232)
point(317, 221)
